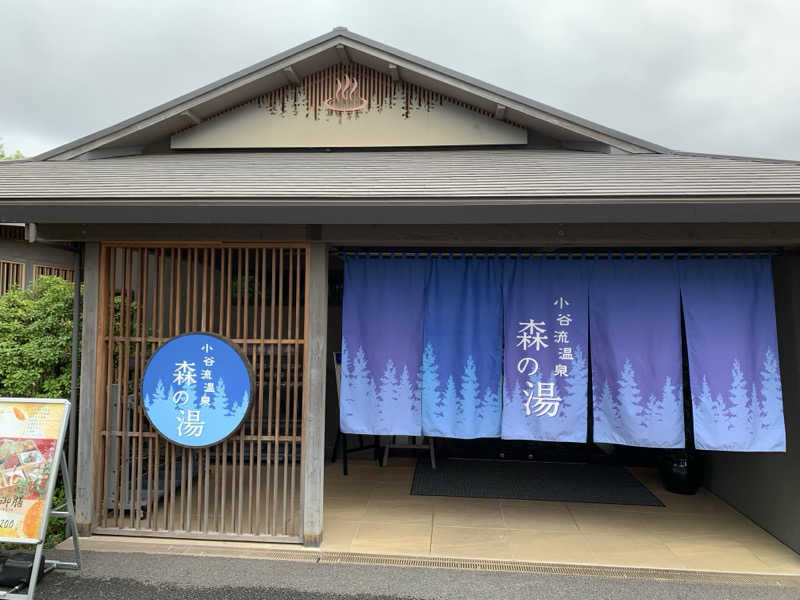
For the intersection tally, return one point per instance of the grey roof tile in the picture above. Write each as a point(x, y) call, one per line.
point(412, 175)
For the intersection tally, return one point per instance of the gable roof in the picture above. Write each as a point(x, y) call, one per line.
point(342, 45)
point(432, 186)
point(398, 175)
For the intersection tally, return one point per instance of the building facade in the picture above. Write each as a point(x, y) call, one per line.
point(21, 262)
point(228, 210)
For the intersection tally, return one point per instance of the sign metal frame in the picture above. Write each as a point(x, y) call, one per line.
point(58, 461)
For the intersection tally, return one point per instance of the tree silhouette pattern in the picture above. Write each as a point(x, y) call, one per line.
point(653, 418)
point(735, 419)
point(576, 384)
point(397, 393)
point(736, 414)
point(159, 394)
point(470, 392)
point(169, 404)
point(373, 403)
point(346, 396)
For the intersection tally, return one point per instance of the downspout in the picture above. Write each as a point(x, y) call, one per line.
point(73, 387)
point(31, 235)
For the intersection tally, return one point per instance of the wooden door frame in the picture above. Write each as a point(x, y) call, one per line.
point(312, 436)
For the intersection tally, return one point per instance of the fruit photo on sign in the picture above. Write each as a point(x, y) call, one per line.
point(32, 519)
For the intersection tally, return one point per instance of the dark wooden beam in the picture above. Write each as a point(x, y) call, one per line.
point(568, 235)
point(291, 75)
point(150, 232)
point(344, 56)
point(542, 235)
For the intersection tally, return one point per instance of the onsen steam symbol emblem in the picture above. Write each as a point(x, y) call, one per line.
point(345, 98)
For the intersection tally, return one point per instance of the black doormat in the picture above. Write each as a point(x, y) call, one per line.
point(528, 480)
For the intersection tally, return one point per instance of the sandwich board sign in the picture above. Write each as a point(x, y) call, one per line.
point(32, 432)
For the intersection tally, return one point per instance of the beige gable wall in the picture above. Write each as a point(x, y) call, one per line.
point(347, 106)
point(447, 124)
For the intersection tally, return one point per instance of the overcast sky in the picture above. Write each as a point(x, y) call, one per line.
point(705, 76)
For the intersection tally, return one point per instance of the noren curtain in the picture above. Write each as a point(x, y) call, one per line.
point(729, 310)
point(462, 360)
point(382, 311)
point(485, 347)
point(545, 372)
point(636, 353)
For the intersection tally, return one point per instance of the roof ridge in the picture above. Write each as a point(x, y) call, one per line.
point(341, 33)
point(461, 151)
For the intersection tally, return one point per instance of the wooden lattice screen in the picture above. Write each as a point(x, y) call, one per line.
point(12, 232)
point(12, 274)
point(247, 487)
point(46, 270)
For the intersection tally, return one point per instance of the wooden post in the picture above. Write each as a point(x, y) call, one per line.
point(85, 488)
point(314, 405)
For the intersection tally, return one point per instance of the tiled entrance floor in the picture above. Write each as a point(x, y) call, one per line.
point(371, 510)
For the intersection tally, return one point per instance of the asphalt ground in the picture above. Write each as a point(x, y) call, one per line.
point(117, 576)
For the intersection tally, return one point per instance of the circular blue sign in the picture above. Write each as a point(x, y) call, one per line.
point(196, 389)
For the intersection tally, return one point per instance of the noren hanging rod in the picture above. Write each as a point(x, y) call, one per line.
point(610, 254)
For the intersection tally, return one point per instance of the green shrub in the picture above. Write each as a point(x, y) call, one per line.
point(36, 340)
point(13, 156)
point(35, 355)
